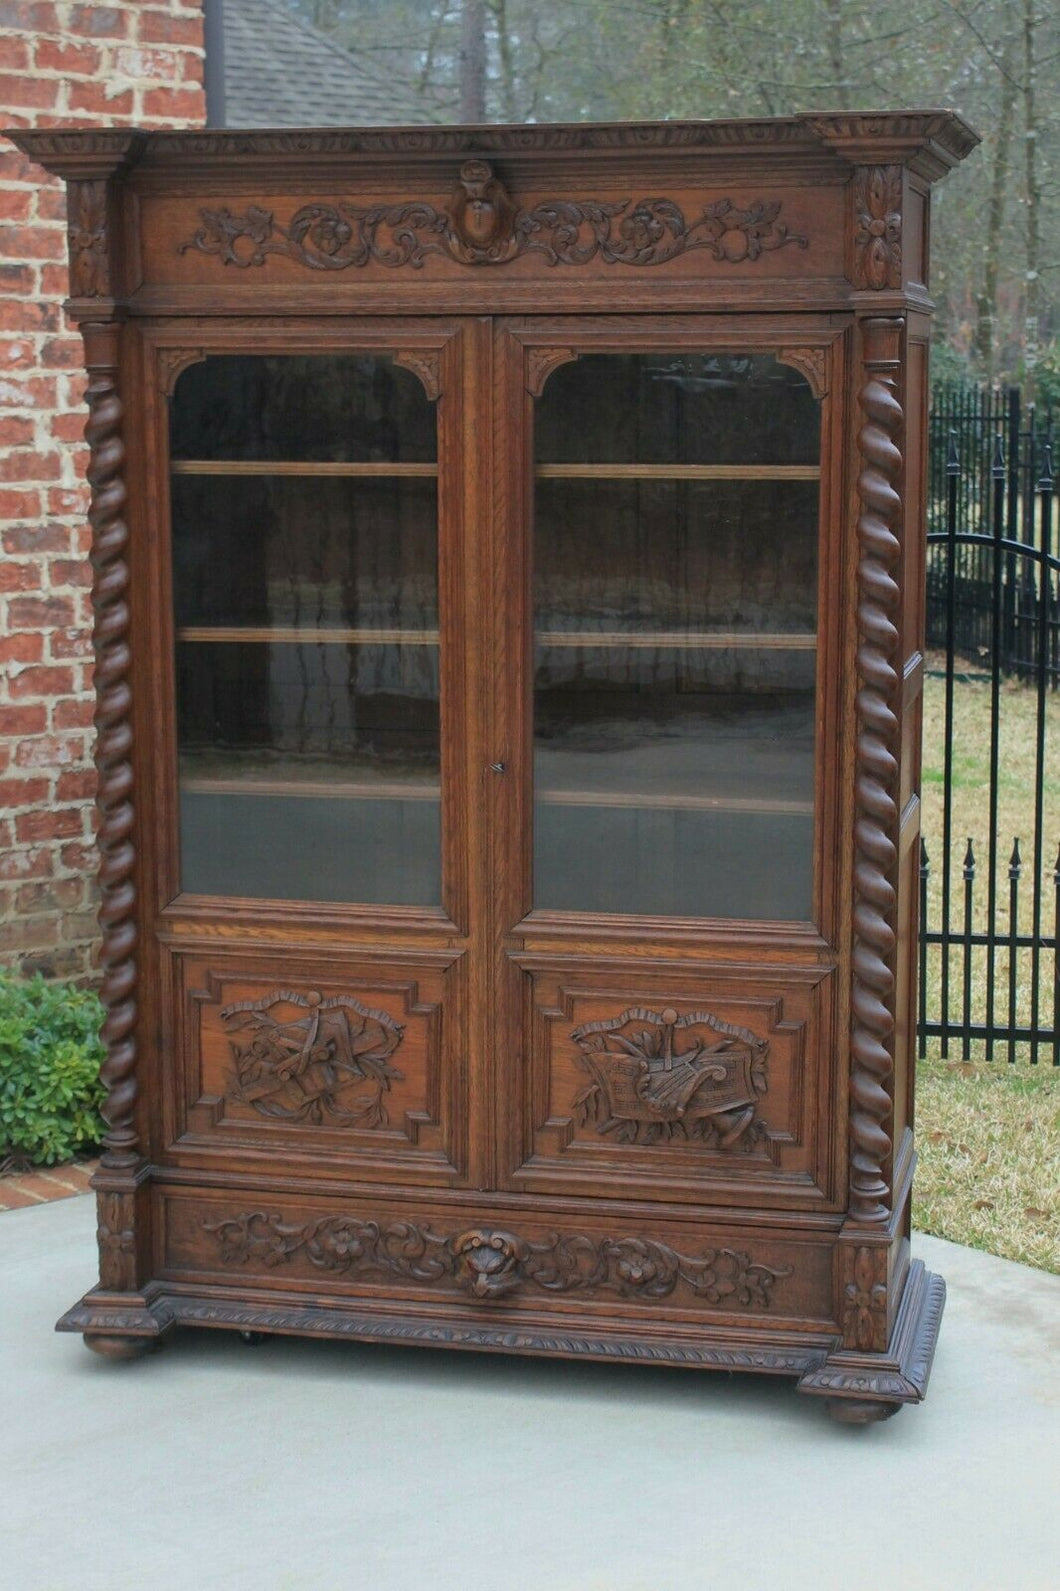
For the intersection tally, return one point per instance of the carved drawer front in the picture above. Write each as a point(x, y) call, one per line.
point(322, 1059)
point(684, 1083)
point(493, 1261)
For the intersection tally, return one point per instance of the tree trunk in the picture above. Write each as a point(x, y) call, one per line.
point(1033, 198)
point(473, 61)
point(840, 94)
point(986, 304)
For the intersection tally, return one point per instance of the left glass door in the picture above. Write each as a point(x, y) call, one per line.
point(305, 584)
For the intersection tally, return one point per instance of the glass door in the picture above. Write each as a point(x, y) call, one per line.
point(305, 571)
point(675, 576)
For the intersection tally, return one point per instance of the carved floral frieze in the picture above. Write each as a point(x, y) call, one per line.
point(330, 1065)
point(483, 226)
point(489, 1263)
point(655, 1075)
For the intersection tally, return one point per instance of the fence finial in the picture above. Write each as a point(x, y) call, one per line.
point(997, 468)
point(1014, 864)
point(953, 458)
point(969, 861)
point(1045, 480)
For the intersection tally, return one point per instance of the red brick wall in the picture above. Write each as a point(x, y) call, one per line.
point(65, 64)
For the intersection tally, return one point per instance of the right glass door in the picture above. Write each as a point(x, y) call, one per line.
point(675, 636)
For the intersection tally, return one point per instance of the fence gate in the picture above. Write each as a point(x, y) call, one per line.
point(990, 895)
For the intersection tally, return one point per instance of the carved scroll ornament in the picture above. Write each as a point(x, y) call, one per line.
point(331, 1065)
point(483, 226)
point(489, 1263)
point(655, 1075)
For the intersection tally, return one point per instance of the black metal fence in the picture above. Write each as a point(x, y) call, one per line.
point(990, 899)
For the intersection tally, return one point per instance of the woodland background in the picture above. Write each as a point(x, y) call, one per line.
point(996, 245)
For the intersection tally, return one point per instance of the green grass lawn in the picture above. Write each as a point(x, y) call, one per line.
point(989, 1133)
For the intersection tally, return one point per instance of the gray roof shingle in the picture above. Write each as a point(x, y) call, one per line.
point(280, 72)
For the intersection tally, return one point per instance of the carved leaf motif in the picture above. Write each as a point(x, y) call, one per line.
point(483, 227)
point(878, 227)
point(489, 1263)
point(655, 1075)
point(303, 1068)
point(86, 231)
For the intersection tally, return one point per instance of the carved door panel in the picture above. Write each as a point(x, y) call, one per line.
point(318, 927)
point(669, 792)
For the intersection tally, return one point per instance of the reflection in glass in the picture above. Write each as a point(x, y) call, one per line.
point(306, 599)
point(675, 626)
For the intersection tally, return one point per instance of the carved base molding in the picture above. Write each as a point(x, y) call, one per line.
point(857, 1387)
point(900, 1375)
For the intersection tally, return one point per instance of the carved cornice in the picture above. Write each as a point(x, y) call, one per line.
point(482, 226)
point(876, 773)
point(938, 137)
point(75, 153)
point(490, 1264)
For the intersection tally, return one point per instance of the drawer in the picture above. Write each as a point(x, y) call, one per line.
point(678, 1081)
point(493, 1260)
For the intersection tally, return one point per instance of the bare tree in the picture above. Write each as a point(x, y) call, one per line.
point(473, 54)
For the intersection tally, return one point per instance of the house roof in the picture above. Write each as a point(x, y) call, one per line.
point(279, 71)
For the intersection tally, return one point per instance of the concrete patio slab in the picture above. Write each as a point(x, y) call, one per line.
point(316, 1466)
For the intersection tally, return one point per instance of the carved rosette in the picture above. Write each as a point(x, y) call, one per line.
point(116, 1235)
point(489, 1264)
point(482, 226)
point(876, 773)
point(864, 1301)
point(110, 536)
point(86, 231)
point(878, 227)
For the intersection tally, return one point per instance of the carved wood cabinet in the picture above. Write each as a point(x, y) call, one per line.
point(508, 573)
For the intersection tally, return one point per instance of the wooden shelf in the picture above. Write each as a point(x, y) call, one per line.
point(673, 639)
point(678, 472)
point(544, 472)
point(340, 790)
point(678, 639)
point(248, 634)
point(297, 467)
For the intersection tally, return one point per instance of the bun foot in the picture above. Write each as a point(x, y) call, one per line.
point(860, 1411)
point(112, 1347)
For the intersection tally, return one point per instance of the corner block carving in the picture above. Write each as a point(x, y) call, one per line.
point(483, 226)
point(811, 363)
point(864, 1301)
point(878, 227)
point(654, 1075)
point(116, 1235)
point(426, 365)
point(86, 232)
point(331, 1065)
point(489, 1263)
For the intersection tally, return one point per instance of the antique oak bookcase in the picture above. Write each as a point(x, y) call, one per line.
point(508, 560)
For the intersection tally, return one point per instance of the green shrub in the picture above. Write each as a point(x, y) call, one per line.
point(50, 1055)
